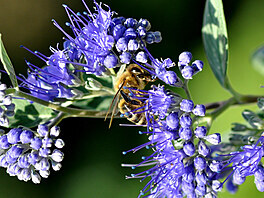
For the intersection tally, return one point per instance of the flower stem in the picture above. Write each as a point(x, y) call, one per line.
point(229, 88)
point(223, 107)
point(244, 99)
point(72, 112)
point(57, 119)
point(186, 89)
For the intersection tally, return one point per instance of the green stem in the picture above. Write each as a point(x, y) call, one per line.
point(229, 88)
point(222, 108)
point(57, 119)
point(244, 99)
point(72, 112)
point(186, 89)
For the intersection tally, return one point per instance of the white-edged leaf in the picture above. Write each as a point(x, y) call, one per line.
point(7, 64)
point(215, 39)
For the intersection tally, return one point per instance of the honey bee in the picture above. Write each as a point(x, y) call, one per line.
point(134, 77)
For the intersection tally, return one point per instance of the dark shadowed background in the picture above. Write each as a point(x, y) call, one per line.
point(91, 168)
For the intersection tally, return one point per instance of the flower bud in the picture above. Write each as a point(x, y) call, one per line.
point(24, 174)
point(172, 120)
point(185, 133)
point(130, 23)
point(259, 173)
point(121, 44)
point(47, 142)
point(201, 178)
point(59, 143)
point(199, 163)
point(132, 45)
point(55, 131)
point(110, 61)
point(23, 161)
point(142, 57)
point(55, 165)
point(125, 57)
point(186, 105)
point(187, 187)
point(130, 33)
point(36, 143)
point(42, 165)
point(3, 87)
point(197, 66)
point(185, 58)
point(13, 136)
point(141, 31)
point(199, 110)
point(7, 100)
point(150, 38)
point(35, 177)
point(203, 149)
point(169, 77)
point(231, 187)
point(57, 155)
point(26, 136)
point(4, 144)
point(45, 173)
point(200, 131)
point(238, 178)
point(216, 166)
point(118, 31)
point(44, 152)
point(260, 185)
point(42, 130)
point(144, 23)
point(185, 120)
point(189, 148)
point(200, 190)
point(213, 138)
point(3, 162)
point(189, 174)
point(217, 185)
point(187, 72)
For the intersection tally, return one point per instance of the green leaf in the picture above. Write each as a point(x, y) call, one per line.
point(257, 60)
point(253, 119)
point(215, 39)
point(29, 114)
point(261, 103)
point(98, 103)
point(7, 64)
point(239, 127)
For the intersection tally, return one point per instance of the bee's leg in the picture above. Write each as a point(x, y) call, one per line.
point(129, 100)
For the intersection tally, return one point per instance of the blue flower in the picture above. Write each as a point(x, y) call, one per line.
point(52, 81)
point(245, 163)
point(91, 39)
point(157, 100)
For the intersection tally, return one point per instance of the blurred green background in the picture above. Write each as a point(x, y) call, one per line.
point(91, 168)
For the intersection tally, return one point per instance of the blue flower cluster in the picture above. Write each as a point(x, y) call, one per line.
point(241, 164)
point(131, 35)
point(159, 68)
point(188, 71)
point(99, 43)
point(7, 108)
point(29, 154)
point(53, 81)
point(181, 163)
